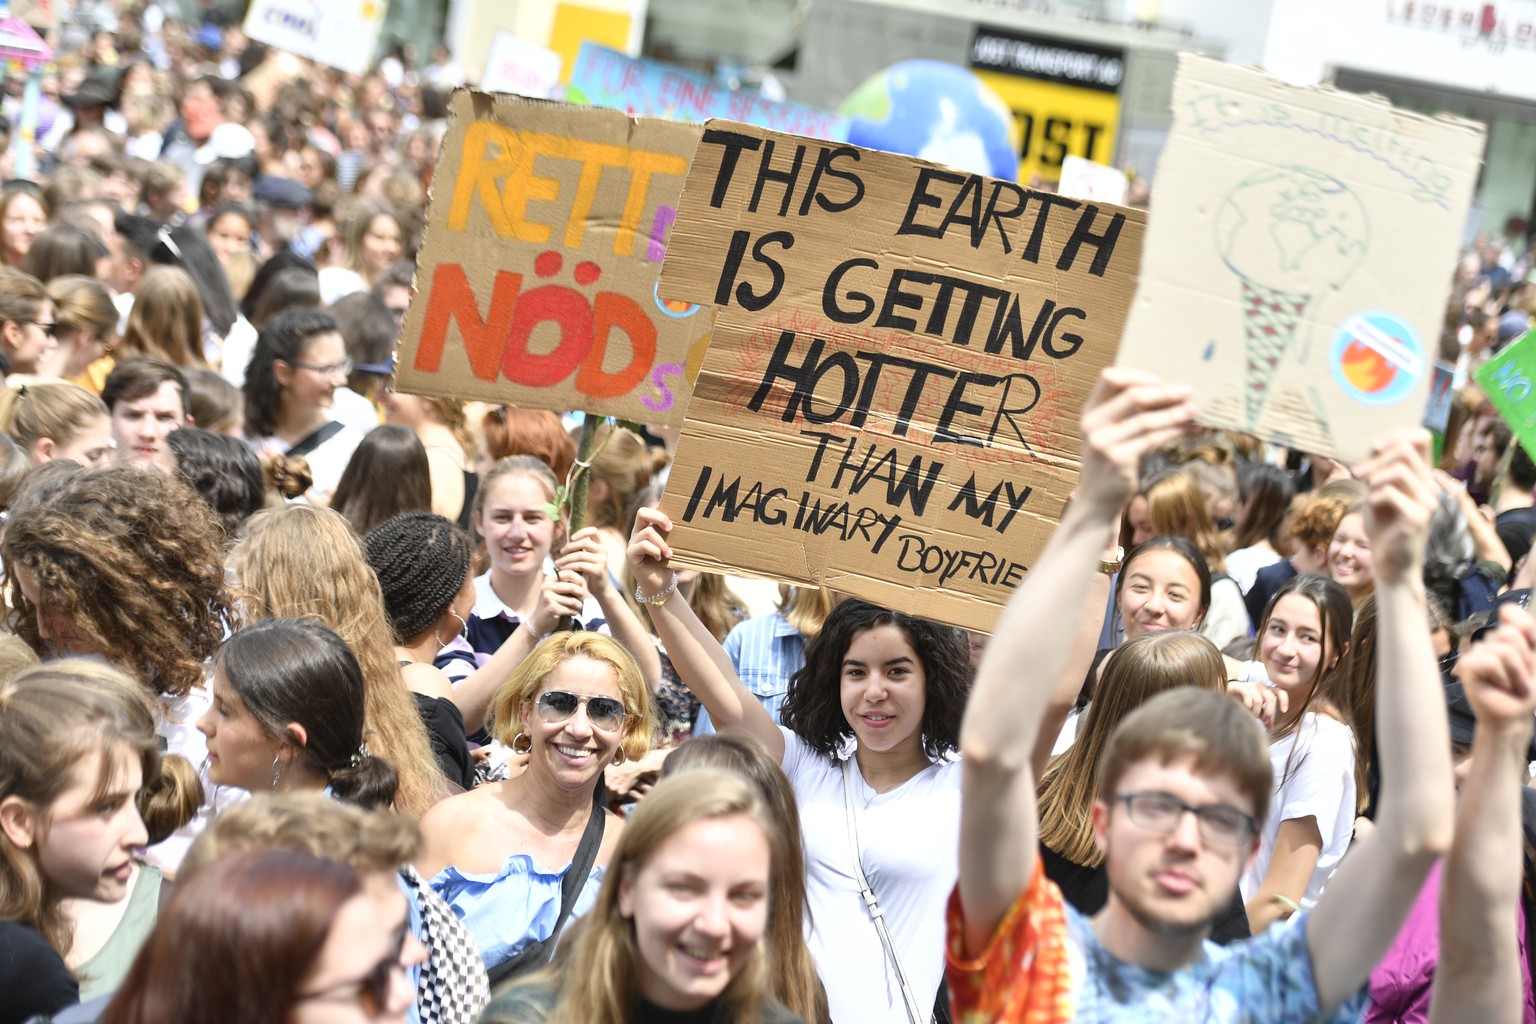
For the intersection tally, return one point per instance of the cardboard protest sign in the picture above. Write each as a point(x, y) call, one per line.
point(1509, 381)
point(890, 403)
point(338, 33)
point(521, 67)
point(536, 282)
point(607, 78)
point(1299, 257)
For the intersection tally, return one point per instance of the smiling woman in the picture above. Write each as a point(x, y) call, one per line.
point(1303, 638)
point(869, 732)
point(678, 927)
point(517, 859)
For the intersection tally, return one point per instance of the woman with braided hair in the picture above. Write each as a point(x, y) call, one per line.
point(422, 562)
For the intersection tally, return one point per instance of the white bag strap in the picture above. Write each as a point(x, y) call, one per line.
point(873, 903)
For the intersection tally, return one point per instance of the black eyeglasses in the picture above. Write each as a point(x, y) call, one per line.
point(1220, 825)
point(50, 328)
point(328, 370)
point(604, 712)
point(371, 991)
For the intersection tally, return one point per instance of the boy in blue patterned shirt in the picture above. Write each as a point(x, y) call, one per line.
point(1184, 782)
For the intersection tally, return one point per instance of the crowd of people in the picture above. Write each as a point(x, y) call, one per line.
point(313, 707)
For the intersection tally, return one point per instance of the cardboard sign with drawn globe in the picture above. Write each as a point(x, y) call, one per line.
point(1299, 257)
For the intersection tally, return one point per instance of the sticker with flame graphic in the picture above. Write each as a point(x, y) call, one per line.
point(1377, 358)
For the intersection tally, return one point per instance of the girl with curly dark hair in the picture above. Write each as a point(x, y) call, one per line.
point(126, 564)
point(870, 729)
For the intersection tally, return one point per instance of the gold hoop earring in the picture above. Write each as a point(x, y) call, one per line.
point(522, 743)
point(618, 757)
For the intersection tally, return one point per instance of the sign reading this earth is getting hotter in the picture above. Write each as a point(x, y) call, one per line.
point(889, 405)
point(1299, 257)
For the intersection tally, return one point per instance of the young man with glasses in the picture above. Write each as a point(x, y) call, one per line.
point(1185, 779)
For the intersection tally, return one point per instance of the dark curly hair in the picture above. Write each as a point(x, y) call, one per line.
point(134, 558)
point(422, 561)
point(224, 471)
point(813, 708)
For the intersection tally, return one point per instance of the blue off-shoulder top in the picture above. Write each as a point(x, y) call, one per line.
point(517, 905)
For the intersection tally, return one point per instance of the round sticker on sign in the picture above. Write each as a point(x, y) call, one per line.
point(1377, 358)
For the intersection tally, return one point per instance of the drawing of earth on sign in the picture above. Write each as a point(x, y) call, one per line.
point(1289, 234)
point(1376, 358)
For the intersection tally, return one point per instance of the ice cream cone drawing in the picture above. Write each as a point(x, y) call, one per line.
point(1289, 234)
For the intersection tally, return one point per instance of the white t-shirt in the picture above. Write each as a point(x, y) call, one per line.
point(1321, 784)
point(909, 840)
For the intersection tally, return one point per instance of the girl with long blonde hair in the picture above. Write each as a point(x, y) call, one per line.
point(795, 983)
point(305, 562)
point(710, 825)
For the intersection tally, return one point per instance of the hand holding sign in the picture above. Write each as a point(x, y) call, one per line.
point(1402, 500)
point(1129, 415)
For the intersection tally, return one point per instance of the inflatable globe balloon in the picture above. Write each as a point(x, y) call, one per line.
point(936, 111)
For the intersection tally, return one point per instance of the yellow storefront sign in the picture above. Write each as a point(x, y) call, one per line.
point(1064, 96)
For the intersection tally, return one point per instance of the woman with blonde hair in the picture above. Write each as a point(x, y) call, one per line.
point(54, 419)
point(518, 859)
point(167, 318)
point(1171, 503)
point(305, 562)
point(795, 982)
point(711, 827)
point(85, 328)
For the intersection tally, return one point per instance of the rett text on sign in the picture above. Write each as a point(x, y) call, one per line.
point(537, 282)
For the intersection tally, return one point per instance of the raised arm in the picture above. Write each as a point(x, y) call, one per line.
point(586, 553)
point(1069, 683)
point(560, 595)
point(1364, 905)
point(1129, 414)
point(1478, 977)
point(700, 661)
